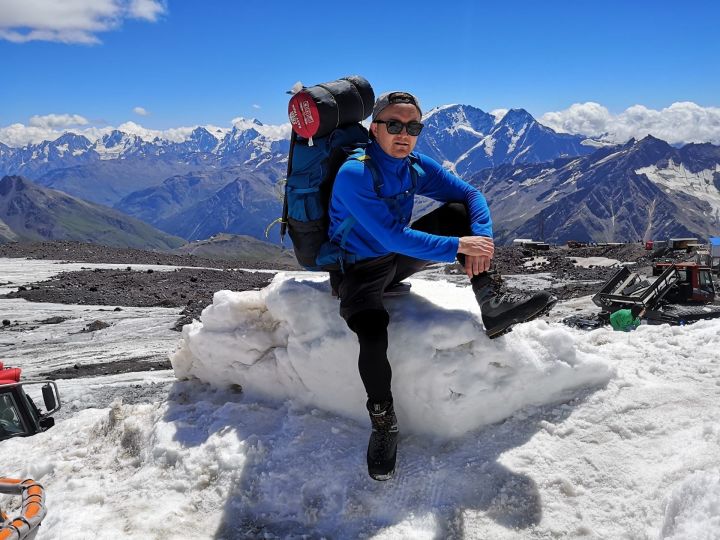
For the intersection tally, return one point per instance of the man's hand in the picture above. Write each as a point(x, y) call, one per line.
point(478, 251)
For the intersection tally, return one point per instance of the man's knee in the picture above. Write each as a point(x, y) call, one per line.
point(369, 322)
point(451, 219)
point(455, 218)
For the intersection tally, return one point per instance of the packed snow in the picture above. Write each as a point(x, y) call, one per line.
point(287, 341)
point(546, 432)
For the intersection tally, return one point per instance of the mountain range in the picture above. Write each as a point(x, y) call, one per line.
point(30, 212)
point(637, 191)
point(539, 183)
point(466, 140)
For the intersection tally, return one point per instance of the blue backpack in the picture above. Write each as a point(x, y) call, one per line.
point(311, 174)
point(326, 128)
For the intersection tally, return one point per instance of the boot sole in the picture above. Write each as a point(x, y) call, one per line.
point(502, 330)
point(383, 477)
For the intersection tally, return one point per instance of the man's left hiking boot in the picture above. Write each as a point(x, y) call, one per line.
point(382, 447)
point(500, 312)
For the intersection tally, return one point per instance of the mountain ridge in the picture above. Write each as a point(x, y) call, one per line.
point(35, 213)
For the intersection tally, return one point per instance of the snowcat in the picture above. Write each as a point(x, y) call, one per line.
point(682, 293)
point(19, 416)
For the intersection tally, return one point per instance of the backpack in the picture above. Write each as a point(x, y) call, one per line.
point(326, 130)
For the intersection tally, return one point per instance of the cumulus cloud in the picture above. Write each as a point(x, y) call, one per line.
point(277, 132)
point(256, 106)
point(18, 135)
point(174, 134)
point(51, 121)
point(498, 114)
point(141, 111)
point(148, 10)
point(70, 21)
point(681, 122)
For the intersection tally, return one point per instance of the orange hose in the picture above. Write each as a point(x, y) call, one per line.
point(33, 508)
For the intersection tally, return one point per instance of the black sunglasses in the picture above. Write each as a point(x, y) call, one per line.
point(395, 127)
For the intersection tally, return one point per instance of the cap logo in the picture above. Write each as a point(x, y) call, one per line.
point(401, 97)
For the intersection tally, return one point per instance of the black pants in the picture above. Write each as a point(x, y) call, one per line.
point(361, 297)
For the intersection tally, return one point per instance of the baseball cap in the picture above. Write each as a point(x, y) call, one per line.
point(391, 98)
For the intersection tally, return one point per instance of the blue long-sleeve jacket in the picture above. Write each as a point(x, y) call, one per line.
point(378, 231)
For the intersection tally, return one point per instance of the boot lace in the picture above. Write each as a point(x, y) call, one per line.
point(513, 297)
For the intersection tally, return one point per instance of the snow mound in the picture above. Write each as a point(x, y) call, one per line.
point(693, 508)
point(287, 341)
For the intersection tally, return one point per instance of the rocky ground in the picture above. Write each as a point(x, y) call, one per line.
point(191, 289)
point(190, 285)
point(93, 253)
point(188, 288)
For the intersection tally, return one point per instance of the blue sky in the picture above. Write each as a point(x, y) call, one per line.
point(195, 62)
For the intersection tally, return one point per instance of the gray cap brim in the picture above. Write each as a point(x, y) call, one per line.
point(393, 98)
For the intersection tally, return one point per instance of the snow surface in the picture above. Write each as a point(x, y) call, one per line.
point(588, 262)
point(630, 452)
point(288, 341)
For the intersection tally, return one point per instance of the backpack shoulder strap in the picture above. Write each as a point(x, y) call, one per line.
point(416, 171)
point(359, 154)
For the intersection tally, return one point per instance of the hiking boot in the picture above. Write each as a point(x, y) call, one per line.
point(382, 447)
point(500, 312)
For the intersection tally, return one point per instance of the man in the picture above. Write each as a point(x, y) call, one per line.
point(370, 211)
point(626, 320)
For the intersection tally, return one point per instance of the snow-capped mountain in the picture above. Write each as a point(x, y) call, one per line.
point(451, 130)
point(637, 191)
point(540, 183)
point(200, 140)
point(250, 143)
point(33, 160)
point(119, 145)
point(5, 150)
point(466, 139)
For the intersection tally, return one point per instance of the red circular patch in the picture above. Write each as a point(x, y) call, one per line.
point(304, 115)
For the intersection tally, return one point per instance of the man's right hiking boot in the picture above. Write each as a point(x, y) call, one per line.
point(500, 312)
point(382, 447)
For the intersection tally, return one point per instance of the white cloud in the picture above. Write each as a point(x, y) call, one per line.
point(70, 21)
point(681, 122)
point(149, 10)
point(173, 134)
point(256, 106)
point(498, 114)
point(277, 132)
point(141, 111)
point(50, 121)
point(18, 135)
point(50, 127)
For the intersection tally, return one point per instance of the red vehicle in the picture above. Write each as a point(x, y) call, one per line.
point(19, 416)
point(694, 283)
point(681, 293)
